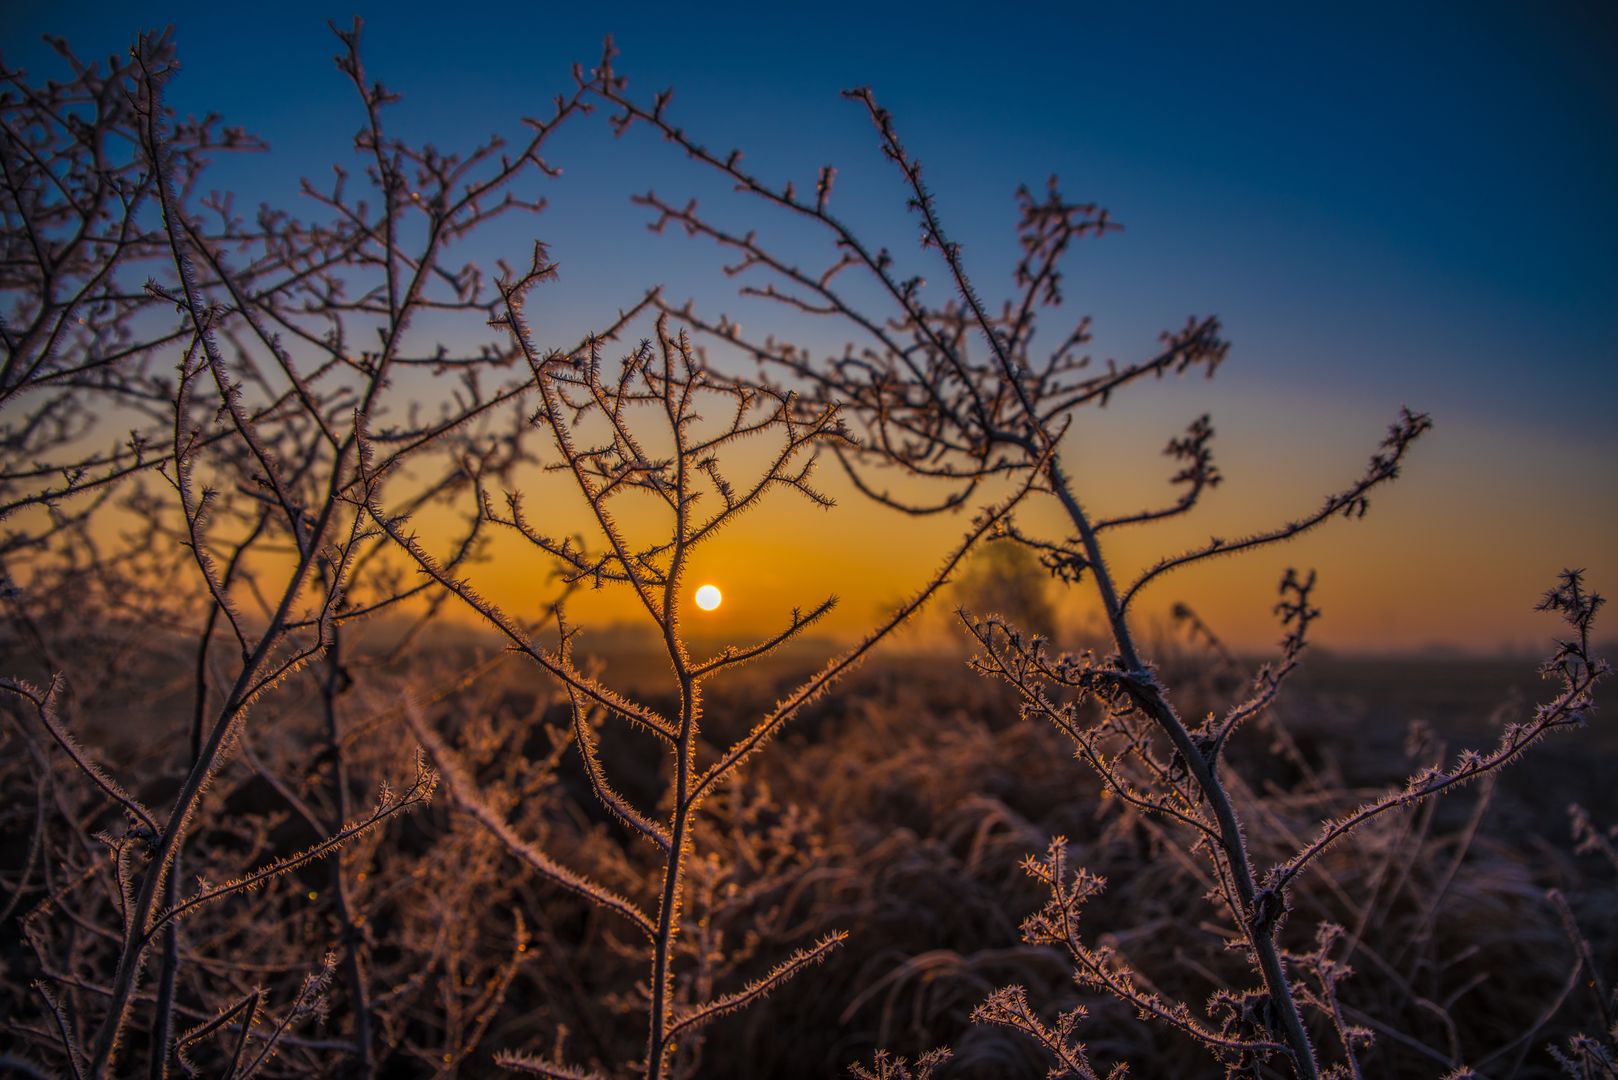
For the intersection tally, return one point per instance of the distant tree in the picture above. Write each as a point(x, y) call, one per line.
point(1008, 578)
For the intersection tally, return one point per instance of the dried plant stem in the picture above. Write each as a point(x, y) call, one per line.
point(351, 933)
point(1258, 927)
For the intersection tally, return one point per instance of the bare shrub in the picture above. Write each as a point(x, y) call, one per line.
point(204, 569)
point(601, 435)
point(957, 394)
point(290, 469)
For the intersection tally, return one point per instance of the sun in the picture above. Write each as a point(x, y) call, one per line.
point(709, 597)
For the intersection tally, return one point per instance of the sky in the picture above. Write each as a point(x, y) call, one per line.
point(1386, 205)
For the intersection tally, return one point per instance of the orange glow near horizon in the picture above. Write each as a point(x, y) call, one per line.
point(1433, 563)
point(1454, 554)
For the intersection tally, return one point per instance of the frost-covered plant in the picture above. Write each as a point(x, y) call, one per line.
point(243, 368)
point(274, 461)
point(957, 394)
point(602, 431)
point(886, 1066)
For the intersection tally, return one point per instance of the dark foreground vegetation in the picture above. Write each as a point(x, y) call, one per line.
point(899, 810)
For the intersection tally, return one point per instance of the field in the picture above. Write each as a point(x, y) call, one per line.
point(899, 811)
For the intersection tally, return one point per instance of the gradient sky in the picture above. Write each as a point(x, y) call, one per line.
point(1386, 205)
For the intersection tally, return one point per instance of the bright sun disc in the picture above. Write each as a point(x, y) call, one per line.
point(708, 597)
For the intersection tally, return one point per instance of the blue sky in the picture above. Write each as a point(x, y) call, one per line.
point(1447, 171)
